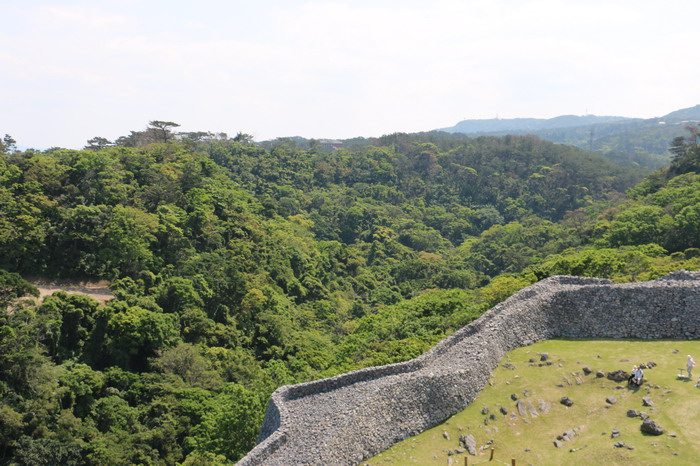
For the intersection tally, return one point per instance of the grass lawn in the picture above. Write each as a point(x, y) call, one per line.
point(530, 439)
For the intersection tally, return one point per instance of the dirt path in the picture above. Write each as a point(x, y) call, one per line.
point(97, 290)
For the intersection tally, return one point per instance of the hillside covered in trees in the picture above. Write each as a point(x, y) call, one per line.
point(239, 268)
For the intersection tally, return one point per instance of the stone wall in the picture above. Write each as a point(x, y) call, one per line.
point(351, 417)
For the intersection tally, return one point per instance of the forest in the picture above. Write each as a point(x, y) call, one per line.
point(238, 268)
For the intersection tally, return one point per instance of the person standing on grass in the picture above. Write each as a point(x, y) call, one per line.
point(689, 365)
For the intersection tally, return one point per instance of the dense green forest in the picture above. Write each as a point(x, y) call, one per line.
point(239, 268)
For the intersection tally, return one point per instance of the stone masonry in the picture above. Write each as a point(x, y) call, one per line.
point(351, 417)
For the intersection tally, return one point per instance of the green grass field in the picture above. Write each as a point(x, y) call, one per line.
point(530, 440)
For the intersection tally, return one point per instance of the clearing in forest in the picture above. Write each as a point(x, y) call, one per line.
point(520, 413)
point(98, 290)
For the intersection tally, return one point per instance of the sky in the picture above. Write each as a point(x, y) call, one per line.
point(73, 70)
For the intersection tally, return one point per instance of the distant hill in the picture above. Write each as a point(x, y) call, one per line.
point(628, 141)
point(494, 125)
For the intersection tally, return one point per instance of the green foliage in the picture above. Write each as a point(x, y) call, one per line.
point(238, 268)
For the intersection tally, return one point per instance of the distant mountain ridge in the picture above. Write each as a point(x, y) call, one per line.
point(492, 125)
point(627, 141)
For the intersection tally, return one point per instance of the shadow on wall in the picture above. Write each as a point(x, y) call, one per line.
point(351, 417)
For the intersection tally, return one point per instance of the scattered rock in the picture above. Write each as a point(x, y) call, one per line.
point(544, 406)
point(632, 413)
point(544, 356)
point(624, 360)
point(618, 376)
point(486, 421)
point(446, 435)
point(514, 396)
point(651, 427)
point(566, 401)
point(675, 351)
point(599, 373)
point(526, 420)
point(566, 379)
point(532, 360)
point(468, 442)
point(643, 414)
point(619, 444)
point(646, 401)
point(492, 417)
point(630, 447)
point(526, 393)
point(558, 443)
point(599, 357)
point(549, 363)
point(587, 370)
point(531, 409)
point(672, 435)
point(508, 366)
point(522, 409)
point(503, 410)
point(615, 433)
point(485, 410)
point(611, 400)
point(647, 365)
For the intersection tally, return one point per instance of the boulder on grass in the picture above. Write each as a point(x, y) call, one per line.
point(651, 427)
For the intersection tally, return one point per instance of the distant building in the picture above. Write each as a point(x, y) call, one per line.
point(330, 145)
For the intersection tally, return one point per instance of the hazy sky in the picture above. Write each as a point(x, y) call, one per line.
point(71, 70)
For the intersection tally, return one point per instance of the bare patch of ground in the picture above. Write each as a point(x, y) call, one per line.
point(98, 290)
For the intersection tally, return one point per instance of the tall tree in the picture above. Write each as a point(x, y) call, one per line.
point(163, 129)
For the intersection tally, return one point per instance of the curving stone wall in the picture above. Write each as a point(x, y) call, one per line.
point(351, 417)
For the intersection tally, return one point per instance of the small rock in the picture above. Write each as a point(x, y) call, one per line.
point(446, 435)
point(503, 410)
point(675, 351)
point(526, 393)
point(599, 357)
point(468, 442)
point(599, 373)
point(619, 444)
point(485, 410)
point(615, 433)
point(522, 409)
point(532, 360)
point(646, 401)
point(486, 421)
point(514, 396)
point(566, 401)
point(526, 420)
point(651, 427)
point(587, 370)
point(508, 366)
point(558, 443)
point(611, 400)
point(549, 363)
point(672, 435)
point(618, 376)
point(643, 414)
point(492, 417)
point(630, 447)
point(632, 413)
point(544, 356)
point(489, 442)
point(544, 407)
